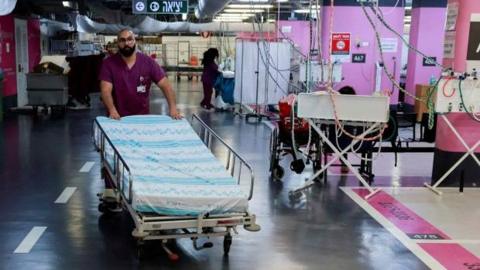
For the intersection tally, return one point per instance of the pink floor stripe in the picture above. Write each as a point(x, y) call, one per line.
point(397, 213)
point(452, 256)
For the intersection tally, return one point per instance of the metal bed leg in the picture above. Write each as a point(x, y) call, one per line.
point(172, 256)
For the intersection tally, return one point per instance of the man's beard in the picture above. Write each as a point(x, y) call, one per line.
point(127, 51)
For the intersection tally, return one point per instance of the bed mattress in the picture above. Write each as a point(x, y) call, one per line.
point(173, 172)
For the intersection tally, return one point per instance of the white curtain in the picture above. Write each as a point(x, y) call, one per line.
point(6, 6)
point(272, 62)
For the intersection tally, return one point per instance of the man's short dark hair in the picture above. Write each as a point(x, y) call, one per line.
point(124, 30)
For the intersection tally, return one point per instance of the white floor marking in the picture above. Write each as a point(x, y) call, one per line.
point(87, 166)
point(450, 241)
point(30, 240)
point(66, 194)
point(404, 239)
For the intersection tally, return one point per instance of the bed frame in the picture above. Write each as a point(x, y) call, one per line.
point(149, 226)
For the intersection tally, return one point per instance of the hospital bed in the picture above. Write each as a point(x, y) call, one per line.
point(170, 182)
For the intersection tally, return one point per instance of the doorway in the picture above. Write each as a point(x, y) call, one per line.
point(21, 51)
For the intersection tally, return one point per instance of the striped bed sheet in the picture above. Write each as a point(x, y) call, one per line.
point(173, 172)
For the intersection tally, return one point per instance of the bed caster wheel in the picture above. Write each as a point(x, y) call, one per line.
point(294, 195)
point(227, 242)
point(102, 208)
point(205, 245)
point(278, 172)
point(252, 227)
point(297, 166)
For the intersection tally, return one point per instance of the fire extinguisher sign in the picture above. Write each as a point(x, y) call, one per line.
point(341, 43)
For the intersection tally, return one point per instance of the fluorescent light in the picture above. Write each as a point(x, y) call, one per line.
point(228, 20)
point(184, 16)
point(254, 1)
point(230, 15)
point(281, 1)
point(67, 3)
point(232, 10)
point(271, 20)
point(307, 10)
point(302, 11)
point(249, 6)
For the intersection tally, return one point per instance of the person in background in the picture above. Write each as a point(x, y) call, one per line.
point(210, 73)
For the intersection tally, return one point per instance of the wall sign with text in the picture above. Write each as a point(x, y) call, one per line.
point(340, 43)
point(429, 61)
point(473, 52)
point(359, 58)
point(159, 6)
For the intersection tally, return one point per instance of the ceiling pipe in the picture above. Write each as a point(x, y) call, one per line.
point(209, 8)
point(152, 26)
point(7, 6)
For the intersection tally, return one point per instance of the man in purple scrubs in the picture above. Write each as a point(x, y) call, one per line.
point(126, 77)
point(125, 80)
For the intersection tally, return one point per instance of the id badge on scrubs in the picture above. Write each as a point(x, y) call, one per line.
point(141, 89)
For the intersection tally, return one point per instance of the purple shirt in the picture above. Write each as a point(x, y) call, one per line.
point(128, 97)
point(210, 73)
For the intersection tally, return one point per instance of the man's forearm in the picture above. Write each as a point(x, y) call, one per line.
point(108, 101)
point(169, 94)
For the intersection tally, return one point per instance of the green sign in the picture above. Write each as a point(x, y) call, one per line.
point(159, 6)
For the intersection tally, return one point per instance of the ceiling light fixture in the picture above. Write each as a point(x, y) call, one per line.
point(232, 10)
point(254, 1)
point(249, 6)
point(228, 20)
point(243, 15)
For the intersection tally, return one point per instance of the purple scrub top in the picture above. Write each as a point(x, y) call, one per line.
point(128, 84)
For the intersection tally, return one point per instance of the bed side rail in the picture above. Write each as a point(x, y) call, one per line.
point(233, 162)
point(119, 169)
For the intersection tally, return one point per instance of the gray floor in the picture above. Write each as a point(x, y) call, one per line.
point(41, 156)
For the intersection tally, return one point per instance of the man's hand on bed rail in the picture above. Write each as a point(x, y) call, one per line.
point(114, 115)
point(175, 114)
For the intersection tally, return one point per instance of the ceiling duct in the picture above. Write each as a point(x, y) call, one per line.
point(152, 26)
point(209, 8)
point(6, 6)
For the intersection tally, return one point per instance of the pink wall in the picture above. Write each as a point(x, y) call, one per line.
point(353, 20)
point(299, 33)
point(466, 8)
point(7, 59)
point(426, 34)
point(33, 26)
point(466, 127)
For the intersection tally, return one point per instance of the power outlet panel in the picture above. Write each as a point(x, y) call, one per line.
point(448, 96)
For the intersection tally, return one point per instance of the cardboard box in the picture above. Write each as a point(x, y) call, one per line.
point(422, 91)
